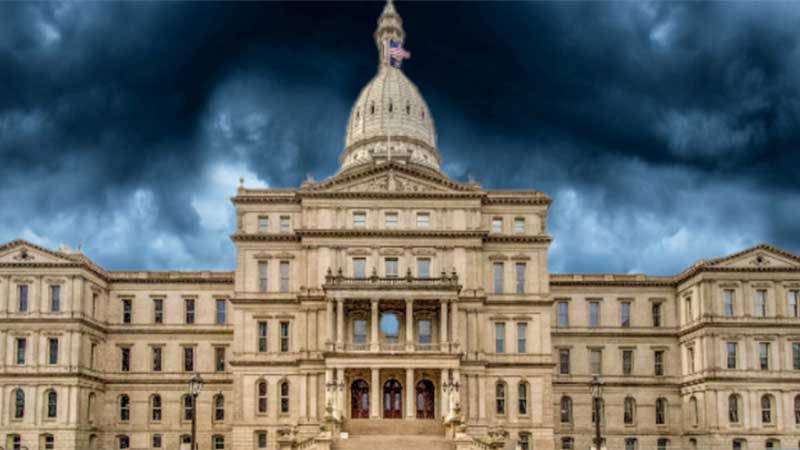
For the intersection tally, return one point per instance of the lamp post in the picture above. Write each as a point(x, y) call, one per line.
point(195, 386)
point(597, 393)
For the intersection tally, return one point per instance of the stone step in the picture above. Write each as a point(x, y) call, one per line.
point(393, 442)
point(397, 427)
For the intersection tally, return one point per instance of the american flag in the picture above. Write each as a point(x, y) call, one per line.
point(397, 53)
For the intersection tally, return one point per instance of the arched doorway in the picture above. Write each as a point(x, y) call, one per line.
point(359, 400)
point(392, 400)
point(425, 399)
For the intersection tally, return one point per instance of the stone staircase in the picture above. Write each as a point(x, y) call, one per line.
point(393, 434)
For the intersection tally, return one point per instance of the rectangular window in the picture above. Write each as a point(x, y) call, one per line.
point(563, 362)
point(391, 266)
point(688, 309)
point(727, 302)
point(219, 359)
point(497, 225)
point(391, 220)
point(189, 309)
point(286, 224)
point(763, 355)
point(263, 224)
point(658, 365)
point(94, 304)
point(126, 310)
point(22, 344)
point(690, 359)
point(284, 336)
point(262, 336)
point(424, 332)
point(92, 353)
point(761, 303)
point(359, 219)
point(157, 357)
point(284, 273)
point(563, 314)
point(522, 331)
point(359, 331)
point(625, 314)
point(791, 302)
point(23, 297)
point(423, 220)
point(520, 279)
point(360, 267)
point(596, 361)
point(731, 357)
point(627, 362)
point(188, 359)
point(423, 268)
point(156, 441)
point(519, 225)
point(221, 311)
point(55, 298)
point(158, 310)
point(796, 355)
point(52, 351)
point(262, 276)
point(498, 278)
point(125, 359)
point(594, 314)
point(656, 314)
point(500, 337)
point(262, 439)
point(49, 442)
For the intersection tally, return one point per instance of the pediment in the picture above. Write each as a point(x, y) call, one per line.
point(761, 257)
point(24, 252)
point(390, 178)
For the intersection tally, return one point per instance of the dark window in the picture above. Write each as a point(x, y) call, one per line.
point(221, 316)
point(656, 314)
point(52, 404)
point(731, 359)
point(563, 314)
point(522, 331)
point(189, 305)
point(262, 276)
point(262, 397)
point(156, 359)
point(625, 314)
point(262, 336)
point(627, 362)
point(219, 408)
point(563, 361)
point(188, 408)
point(500, 337)
point(22, 344)
point(500, 399)
point(55, 298)
point(522, 397)
point(124, 408)
point(156, 441)
point(19, 404)
point(285, 398)
point(158, 310)
point(661, 411)
point(658, 366)
point(23, 298)
point(125, 359)
point(126, 310)
point(188, 359)
point(566, 410)
point(284, 337)
point(261, 439)
point(52, 351)
point(219, 359)
point(520, 273)
point(155, 408)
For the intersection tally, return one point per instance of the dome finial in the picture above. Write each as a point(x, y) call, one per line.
point(390, 26)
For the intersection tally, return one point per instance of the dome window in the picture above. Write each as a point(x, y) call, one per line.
point(408, 109)
point(372, 108)
point(358, 113)
point(391, 106)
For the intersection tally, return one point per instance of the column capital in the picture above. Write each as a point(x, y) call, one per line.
point(409, 301)
point(374, 301)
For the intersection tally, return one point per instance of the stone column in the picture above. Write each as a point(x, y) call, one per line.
point(409, 324)
point(454, 341)
point(304, 397)
point(375, 394)
point(341, 388)
point(374, 318)
point(444, 399)
point(411, 410)
point(481, 397)
point(328, 323)
point(312, 396)
point(340, 324)
point(329, 393)
point(443, 325)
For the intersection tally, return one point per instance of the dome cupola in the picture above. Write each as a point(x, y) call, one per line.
point(390, 120)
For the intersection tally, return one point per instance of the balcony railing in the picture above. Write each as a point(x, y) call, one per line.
point(339, 281)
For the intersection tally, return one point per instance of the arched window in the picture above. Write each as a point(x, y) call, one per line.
point(261, 439)
point(285, 397)
point(733, 408)
point(90, 407)
point(391, 106)
point(408, 108)
point(661, 411)
point(123, 442)
point(19, 404)
point(797, 410)
point(629, 411)
point(219, 442)
point(219, 407)
point(631, 444)
point(188, 407)
point(47, 441)
point(772, 444)
point(766, 409)
point(738, 444)
point(124, 408)
point(500, 398)
point(566, 409)
point(155, 408)
point(694, 411)
point(600, 406)
point(692, 444)
point(261, 393)
point(52, 404)
point(372, 108)
point(524, 441)
point(662, 444)
point(92, 442)
point(567, 443)
point(523, 398)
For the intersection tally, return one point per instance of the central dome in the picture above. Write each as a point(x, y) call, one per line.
point(390, 120)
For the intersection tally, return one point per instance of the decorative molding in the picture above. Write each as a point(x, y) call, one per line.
point(498, 257)
point(520, 257)
point(262, 255)
point(23, 255)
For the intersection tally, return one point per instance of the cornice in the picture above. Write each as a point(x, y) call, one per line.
point(265, 197)
point(416, 233)
point(265, 237)
point(517, 239)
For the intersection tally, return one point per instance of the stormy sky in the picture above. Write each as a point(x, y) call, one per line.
point(665, 132)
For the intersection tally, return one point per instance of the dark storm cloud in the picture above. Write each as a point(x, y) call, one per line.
point(665, 131)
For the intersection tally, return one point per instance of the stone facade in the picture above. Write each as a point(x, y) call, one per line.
point(390, 291)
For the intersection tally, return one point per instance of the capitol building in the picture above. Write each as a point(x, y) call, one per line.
point(391, 307)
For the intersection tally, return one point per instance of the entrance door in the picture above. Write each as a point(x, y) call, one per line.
point(392, 400)
point(359, 400)
point(425, 399)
